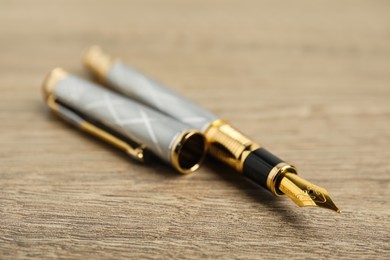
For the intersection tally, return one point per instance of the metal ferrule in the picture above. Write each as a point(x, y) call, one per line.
point(124, 123)
point(227, 144)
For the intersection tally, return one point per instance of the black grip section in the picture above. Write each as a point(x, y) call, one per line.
point(258, 165)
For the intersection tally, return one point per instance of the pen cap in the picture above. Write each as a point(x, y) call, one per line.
point(130, 121)
point(132, 83)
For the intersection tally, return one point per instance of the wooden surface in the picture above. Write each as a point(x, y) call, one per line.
point(310, 80)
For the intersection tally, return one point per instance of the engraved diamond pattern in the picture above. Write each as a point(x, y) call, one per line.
point(130, 118)
point(148, 91)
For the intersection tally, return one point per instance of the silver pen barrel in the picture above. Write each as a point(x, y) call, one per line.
point(132, 83)
point(123, 122)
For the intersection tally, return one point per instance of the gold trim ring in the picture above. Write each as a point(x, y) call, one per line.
point(189, 151)
point(275, 176)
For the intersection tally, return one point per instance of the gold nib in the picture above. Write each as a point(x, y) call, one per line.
point(303, 193)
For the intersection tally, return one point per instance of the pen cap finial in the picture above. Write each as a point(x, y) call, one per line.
point(96, 60)
point(51, 81)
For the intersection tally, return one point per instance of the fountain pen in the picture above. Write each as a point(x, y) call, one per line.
point(226, 143)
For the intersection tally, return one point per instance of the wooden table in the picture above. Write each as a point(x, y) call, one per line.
point(310, 80)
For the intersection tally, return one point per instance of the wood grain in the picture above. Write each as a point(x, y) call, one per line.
point(308, 79)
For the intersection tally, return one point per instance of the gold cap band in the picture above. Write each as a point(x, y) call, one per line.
point(189, 151)
point(276, 175)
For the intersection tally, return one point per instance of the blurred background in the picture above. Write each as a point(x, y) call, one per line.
point(308, 79)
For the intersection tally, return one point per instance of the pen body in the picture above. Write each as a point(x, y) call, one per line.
point(130, 121)
point(225, 142)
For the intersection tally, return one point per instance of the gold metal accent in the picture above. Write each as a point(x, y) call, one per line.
point(136, 152)
point(276, 174)
point(52, 104)
point(188, 151)
point(228, 144)
point(51, 81)
point(304, 193)
point(98, 61)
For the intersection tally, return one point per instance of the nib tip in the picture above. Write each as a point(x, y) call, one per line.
point(304, 193)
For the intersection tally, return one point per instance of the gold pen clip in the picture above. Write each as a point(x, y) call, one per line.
point(135, 150)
